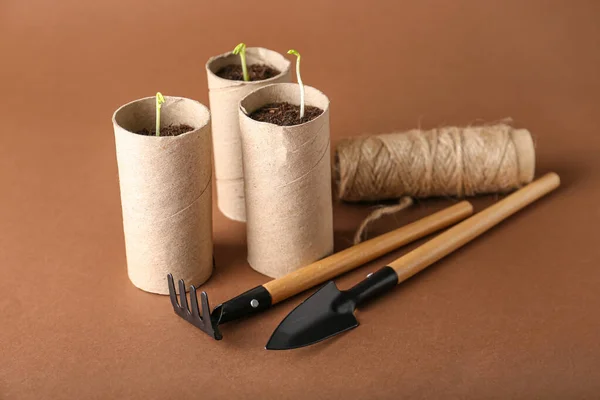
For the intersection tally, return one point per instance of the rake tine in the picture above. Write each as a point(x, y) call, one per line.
point(194, 302)
point(172, 293)
point(182, 296)
point(211, 327)
point(205, 306)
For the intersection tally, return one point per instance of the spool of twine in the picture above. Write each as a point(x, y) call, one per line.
point(448, 161)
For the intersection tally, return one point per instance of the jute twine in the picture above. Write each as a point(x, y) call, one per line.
point(448, 161)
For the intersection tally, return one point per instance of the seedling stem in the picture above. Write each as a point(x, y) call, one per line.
point(159, 102)
point(241, 50)
point(294, 52)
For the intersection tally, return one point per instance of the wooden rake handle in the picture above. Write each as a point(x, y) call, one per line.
point(353, 257)
point(469, 229)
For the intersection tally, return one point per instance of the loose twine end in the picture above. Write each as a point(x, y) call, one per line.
point(404, 202)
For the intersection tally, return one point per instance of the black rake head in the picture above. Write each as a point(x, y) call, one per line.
point(203, 321)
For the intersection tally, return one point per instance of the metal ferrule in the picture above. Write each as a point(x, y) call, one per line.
point(248, 303)
point(377, 283)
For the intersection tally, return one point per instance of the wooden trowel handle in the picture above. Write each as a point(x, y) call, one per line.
point(467, 230)
point(353, 257)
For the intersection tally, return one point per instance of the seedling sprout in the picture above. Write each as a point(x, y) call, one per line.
point(159, 102)
point(294, 52)
point(241, 50)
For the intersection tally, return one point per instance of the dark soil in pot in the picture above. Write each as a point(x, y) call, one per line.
point(285, 114)
point(171, 130)
point(257, 72)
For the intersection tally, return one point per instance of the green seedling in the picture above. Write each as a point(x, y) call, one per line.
point(294, 52)
point(241, 50)
point(159, 102)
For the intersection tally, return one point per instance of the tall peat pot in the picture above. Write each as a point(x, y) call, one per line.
point(166, 193)
point(225, 95)
point(287, 172)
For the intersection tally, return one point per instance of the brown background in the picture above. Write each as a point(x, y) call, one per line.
point(512, 315)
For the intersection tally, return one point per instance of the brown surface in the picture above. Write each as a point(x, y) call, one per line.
point(512, 315)
point(285, 114)
point(256, 72)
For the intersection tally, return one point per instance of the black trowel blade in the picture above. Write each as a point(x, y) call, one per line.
point(324, 314)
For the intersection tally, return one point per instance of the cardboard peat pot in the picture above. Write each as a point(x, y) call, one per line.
point(287, 172)
point(224, 96)
point(165, 193)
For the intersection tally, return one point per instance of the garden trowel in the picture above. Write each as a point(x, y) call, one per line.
point(331, 311)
